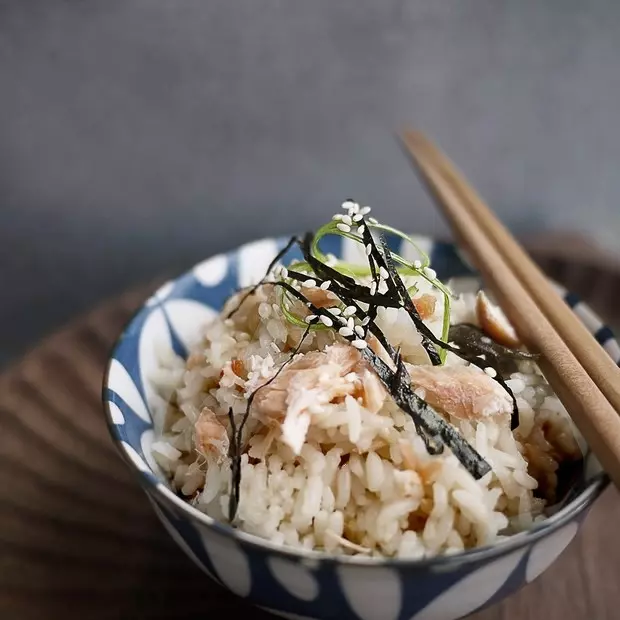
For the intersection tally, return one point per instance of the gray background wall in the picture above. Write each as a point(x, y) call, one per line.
point(137, 136)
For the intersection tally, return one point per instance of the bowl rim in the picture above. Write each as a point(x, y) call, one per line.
point(150, 482)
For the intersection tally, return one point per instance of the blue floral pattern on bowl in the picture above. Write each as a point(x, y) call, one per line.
point(299, 584)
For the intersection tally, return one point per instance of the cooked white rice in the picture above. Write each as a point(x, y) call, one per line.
point(362, 482)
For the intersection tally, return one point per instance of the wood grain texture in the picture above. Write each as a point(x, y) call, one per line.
point(537, 310)
point(78, 538)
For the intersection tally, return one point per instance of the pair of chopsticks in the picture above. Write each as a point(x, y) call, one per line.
point(584, 377)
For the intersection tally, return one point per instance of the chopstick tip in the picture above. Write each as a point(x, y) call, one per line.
point(413, 139)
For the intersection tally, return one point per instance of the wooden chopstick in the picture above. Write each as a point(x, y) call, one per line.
point(591, 411)
point(604, 372)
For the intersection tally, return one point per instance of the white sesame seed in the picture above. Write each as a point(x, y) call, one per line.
point(359, 330)
point(326, 284)
point(309, 283)
point(358, 218)
point(346, 219)
point(361, 229)
point(309, 304)
point(368, 249)
point(345, 331)
point(482, 356)
point(264, 310)
point(373, 288)
point(343, 228)
point(335, 311)
point(347, 204)
point(349, 311)
point(417, 264)
point(455, 346)
point(359, 344)
point(366, 321)
point(342, 320)
point(337, 217)
point(430, 273)
point(350, 323)
point(372, 220)
point(490, 371)
point(310, 318)
point(326, 320)
point(284, 272)
point(383, 272)
point(365, 210)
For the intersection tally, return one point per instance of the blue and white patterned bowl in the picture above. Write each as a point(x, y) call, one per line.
point(298, 584)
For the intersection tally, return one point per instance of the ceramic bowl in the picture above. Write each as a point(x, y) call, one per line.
point(288, 582)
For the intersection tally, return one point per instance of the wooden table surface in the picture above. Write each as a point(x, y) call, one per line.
point(79, 540)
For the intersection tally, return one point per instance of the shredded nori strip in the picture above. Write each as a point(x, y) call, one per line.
point(473, 342)
point(425, 416)
point(234, 453)
point(289, 244)
point(350, 292)
point(400, 380)
point(433, 425)
point(233, 502)
point(471, 338)
point(371, 315)
point(343, 286)
point(482, 364)
point(404, 296)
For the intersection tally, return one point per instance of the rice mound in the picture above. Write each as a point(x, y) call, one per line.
point(362, 482)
